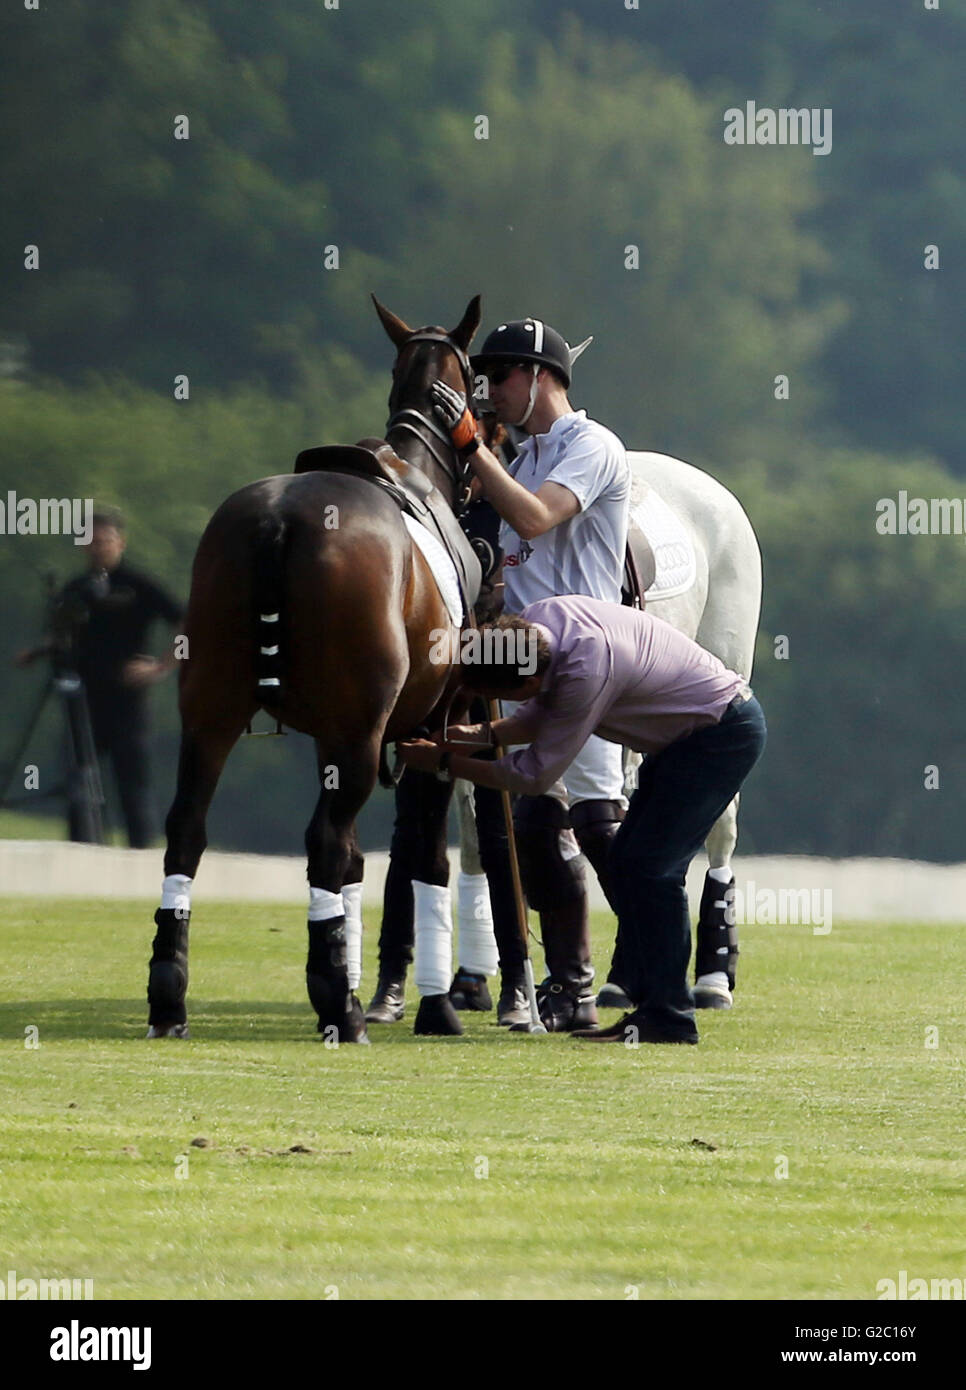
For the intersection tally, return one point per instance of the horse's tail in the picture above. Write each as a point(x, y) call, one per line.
point(269, 592)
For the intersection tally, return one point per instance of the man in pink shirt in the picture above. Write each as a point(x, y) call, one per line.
point(582, 667)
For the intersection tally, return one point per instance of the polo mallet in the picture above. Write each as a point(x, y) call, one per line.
point(535, 1025)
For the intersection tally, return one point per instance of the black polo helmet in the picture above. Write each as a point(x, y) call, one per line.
point(526, 340)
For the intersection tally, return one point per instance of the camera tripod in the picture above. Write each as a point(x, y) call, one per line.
point(82, 781)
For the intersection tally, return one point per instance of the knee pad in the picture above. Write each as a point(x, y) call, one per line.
point(550, 876)
point(596, 824)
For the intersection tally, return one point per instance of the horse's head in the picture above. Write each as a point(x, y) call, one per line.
point(425, 355)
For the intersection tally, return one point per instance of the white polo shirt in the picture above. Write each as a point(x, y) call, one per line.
point(585, 554)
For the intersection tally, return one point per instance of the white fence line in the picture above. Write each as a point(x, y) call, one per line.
point(861, 889)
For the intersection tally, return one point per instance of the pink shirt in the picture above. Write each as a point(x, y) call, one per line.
point(616, 672)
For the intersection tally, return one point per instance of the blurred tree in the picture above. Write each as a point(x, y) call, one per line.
point(869, 693)
point(357, 129)
point(894, 183)
point(589, 154)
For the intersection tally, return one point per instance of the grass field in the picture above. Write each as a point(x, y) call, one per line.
point(21, 825)
point(493, 1165)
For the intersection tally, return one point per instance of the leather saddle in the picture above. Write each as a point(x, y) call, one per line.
point(412, 492)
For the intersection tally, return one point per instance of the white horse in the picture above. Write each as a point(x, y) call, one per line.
point(708, 586)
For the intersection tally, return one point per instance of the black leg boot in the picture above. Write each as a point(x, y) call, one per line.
point(513, 1006)
point(168, 975)
point(567, 997)
point(716, 948)
point(327, 981)
point(395, 941)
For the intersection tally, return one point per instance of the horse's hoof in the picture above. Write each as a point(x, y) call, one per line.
point(470, 992)
point(354, 1028)
point(340, 1016)
point(712, 992)
point(168, 1030)
point(437, 1017)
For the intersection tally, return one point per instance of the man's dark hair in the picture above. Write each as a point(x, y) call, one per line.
point(510, 650)
point(108, 516)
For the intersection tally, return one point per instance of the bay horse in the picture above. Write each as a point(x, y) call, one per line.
point(310, 600)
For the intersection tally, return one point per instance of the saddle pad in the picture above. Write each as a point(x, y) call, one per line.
point(444, 571)
point(674, 558)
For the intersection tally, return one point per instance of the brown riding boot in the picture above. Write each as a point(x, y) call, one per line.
point(566, 998)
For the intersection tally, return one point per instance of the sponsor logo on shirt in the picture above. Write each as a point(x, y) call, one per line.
point(522, 555)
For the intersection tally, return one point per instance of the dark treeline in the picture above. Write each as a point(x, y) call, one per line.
point(331, 152)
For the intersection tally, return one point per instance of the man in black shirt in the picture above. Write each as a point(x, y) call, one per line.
point(104, 616)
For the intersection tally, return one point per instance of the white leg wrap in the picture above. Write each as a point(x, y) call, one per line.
point(323, 905)
point(433, 928)
point(352, 897)
point(176, 892)
point(722, 875)
point(478, 952)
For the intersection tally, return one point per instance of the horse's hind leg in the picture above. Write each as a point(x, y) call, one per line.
point(334, 861)
point(716, 945)
point(728, 628)
point(200, 762)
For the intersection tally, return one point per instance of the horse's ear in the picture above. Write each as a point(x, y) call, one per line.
point(468, 324)
point(394, 326)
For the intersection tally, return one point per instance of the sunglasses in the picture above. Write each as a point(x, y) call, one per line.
point(498, 375)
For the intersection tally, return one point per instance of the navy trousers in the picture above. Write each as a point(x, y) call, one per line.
point(681, 792)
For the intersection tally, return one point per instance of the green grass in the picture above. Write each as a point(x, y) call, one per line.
point(594, 1179)
point(26, 825)
point(22, 825)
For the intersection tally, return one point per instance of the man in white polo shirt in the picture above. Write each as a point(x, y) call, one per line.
point(564, 505)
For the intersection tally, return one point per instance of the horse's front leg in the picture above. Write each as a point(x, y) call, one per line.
point(427, 799)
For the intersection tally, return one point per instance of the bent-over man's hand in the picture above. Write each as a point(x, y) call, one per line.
point(421, 754)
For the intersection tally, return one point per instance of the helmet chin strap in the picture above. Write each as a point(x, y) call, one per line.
point(518, 424)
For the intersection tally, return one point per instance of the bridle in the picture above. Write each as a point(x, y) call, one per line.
point(433, 437)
